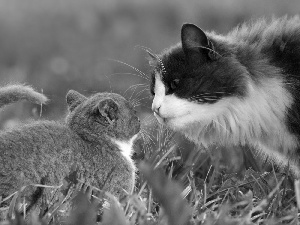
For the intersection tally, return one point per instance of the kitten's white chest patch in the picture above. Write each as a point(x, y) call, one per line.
point(126, 147)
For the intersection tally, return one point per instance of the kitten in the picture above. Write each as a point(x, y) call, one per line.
point(95, 141)
point(242, 88)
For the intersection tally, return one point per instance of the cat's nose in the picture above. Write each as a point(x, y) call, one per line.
point(155, 109)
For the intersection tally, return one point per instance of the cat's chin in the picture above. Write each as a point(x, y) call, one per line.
point(160, 119)
point(175, 123)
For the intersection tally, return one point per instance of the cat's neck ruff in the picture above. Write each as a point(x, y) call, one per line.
point(258, 117)
point(257, 120)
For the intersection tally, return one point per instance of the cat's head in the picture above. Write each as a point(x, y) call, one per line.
point(193, 80)
point(102, 114)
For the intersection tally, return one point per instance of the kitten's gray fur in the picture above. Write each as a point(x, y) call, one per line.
point(48, 151)
point(14, 93)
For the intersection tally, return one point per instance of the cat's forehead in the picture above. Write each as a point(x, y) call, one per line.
point(172, 64)
point(119, 99)
point(107, 95)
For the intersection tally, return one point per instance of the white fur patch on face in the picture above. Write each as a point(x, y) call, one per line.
point(178, 113)
point(257, 119)
point(159, 90)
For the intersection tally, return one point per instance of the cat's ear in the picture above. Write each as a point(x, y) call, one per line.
point(109, 109)
point(195, 43)
point(74, 98)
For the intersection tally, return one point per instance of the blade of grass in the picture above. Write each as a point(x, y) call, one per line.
point(169, 195)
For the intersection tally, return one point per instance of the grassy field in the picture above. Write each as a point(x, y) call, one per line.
point(91, 46)
point(170, 190)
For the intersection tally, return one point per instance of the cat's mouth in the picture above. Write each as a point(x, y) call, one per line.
point(159, 118)
point(167, 121)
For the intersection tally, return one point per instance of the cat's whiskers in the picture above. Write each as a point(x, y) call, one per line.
point(134, 89)
point(133, 74)
point(149, 123)
point(166, 134)
point(144, 106)
point(146, 49)
point(138, 97)
point(163, 68)
point(149, 120)
point(134, 86)
point(136, 102)
point(143, 75)
point(146, 135)
point(169, 133)
point(139, 93)
point(147, 140)
point(146, 88)
point(149, 51)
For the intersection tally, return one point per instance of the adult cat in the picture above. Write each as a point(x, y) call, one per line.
point(239, 89)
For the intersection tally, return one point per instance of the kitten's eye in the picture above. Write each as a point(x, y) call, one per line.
point(174, 83)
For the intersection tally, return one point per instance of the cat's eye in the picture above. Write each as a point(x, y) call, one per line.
point(174, 84)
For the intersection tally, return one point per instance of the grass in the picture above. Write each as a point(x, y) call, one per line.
point(170, 190)
point(168, 195)
point(176, 185)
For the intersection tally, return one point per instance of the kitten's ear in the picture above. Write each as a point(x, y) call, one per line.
point(195, 43)
point(109, 109)
point(74, 98)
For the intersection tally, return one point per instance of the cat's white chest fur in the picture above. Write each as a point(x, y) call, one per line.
point(126, 147)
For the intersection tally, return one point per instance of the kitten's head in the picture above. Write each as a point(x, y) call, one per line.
point(102, 114)
point(192, 80)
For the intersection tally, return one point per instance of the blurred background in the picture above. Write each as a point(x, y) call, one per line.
point(57, 45)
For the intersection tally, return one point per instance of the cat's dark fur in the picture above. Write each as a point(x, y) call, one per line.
point(242, 88)
point(89, 142)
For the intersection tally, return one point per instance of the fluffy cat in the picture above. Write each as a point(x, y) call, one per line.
point(95, 141)
point(237, 89)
